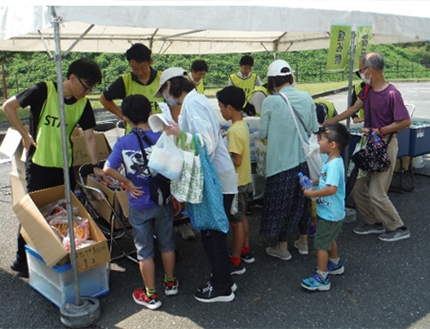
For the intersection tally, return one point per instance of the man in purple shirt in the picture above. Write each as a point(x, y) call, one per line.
point(385, 114)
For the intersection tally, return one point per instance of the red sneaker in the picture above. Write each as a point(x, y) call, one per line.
point(140, 297)
point(171, 287)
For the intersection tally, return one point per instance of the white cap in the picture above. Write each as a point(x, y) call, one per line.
point(168, 74)
point(276, 67)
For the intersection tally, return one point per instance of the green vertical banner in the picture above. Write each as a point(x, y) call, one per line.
point(340, 40)
point(364, 36)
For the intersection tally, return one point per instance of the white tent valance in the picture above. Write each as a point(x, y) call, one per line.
point(202, 29)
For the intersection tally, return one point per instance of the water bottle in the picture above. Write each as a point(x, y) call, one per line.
point(376, 138)
point(304, 180)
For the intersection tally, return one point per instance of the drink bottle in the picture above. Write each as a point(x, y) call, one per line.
point(376, 138)
point(305, 181)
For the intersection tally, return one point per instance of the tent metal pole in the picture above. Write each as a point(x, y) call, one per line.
point(351, 73)
point(56, 20)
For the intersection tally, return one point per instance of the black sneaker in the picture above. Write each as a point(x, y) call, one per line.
point(203, 286)
point(20, 267)
point(211, 295)
point(237, 270)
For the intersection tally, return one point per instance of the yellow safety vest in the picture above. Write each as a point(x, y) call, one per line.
point(256, 90)
point(134, 88)
point(48, 135)
point(247, 84)
point(200, 87)
point(330, 107)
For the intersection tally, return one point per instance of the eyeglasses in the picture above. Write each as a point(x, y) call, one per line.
point(85, 87)
point(358, 72)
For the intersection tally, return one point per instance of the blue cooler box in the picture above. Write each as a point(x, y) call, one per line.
point(56, 283)
point(419, 143)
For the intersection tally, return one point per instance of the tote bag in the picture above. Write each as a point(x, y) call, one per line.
point(189, 186)
point(210, 213)
point(261, 153)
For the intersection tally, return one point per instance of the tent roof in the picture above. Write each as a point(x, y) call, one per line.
point(294, 26)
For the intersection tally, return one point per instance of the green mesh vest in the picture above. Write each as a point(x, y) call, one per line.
point(48, 136)
point(134, 88)
point(247, 85)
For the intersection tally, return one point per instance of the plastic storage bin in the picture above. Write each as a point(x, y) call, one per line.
point(419, 143)
point(56, 283)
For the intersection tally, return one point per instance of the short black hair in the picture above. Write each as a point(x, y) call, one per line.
point(87, 70)
point(199, 65)
point(136, 108)
point(138, 52)
point(233, 96)
point(336, 132)
point(246, 60)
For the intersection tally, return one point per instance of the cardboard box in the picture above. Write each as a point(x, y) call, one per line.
point(118, 200)
point(56, 284)
point(80, 153)
point(42, 238)
point(13, 148)
point(18, 187)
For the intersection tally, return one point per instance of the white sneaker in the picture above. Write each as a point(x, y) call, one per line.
point(302, 247)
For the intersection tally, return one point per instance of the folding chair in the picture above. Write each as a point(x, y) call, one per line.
point(91, 197)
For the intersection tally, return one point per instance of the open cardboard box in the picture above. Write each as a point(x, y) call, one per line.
point(118, 200)
point(40, 236)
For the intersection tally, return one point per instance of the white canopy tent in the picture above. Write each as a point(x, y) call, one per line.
point(293, 26)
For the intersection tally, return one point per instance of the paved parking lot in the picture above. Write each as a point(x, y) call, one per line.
point(385, 284)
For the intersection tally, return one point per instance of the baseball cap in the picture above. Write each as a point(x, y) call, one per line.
point(276, 67)
point(168, 74)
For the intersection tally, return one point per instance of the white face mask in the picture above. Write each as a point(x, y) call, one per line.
point(363, 77)
point(170, 100)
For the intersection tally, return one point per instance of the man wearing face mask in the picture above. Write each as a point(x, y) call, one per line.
point(385, 114)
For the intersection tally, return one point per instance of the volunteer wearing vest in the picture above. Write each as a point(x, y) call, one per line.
point(245, 79)
point(254, 100)
point(44, 164)
point(325, 110)
point(142, 80)
point(199, 68)
point(359, 116)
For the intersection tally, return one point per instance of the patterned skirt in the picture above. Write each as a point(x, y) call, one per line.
point(285, 206)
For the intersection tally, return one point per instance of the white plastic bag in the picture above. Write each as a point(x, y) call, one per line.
point(166, 159)
point(313, 156)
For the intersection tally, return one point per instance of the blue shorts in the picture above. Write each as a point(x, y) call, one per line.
point(146, 223)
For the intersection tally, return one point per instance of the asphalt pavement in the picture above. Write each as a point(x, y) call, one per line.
point(384, 286)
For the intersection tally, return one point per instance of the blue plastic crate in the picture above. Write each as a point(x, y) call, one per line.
point(56, 283)
point(419, 143)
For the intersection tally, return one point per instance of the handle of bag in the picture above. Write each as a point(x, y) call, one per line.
point(294, 119)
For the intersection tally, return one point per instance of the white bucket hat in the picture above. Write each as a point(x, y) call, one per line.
point(276, 67)
point(168, 74)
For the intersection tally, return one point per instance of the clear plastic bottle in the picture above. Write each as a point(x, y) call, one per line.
point(304, 180)
point(376, 138)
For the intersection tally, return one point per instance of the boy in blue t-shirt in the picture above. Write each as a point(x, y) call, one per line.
point(145, 216)
point(330, 196)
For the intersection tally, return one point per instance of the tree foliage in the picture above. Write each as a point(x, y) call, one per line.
point(402, 61)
